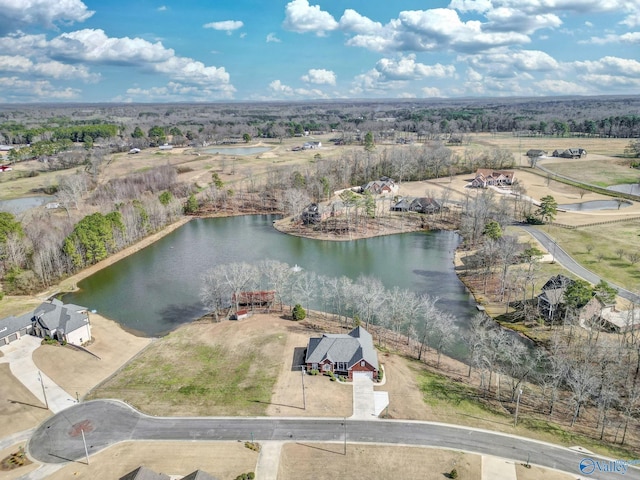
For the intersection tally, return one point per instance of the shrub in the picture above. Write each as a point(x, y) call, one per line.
point(380, 374)
point(298, 312)
point(453, 473)
point(315, 371)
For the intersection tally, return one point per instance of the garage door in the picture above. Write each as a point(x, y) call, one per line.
point(368, 375)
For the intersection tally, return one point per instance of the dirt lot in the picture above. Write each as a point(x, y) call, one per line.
point(220, 459)
point(19, 409)
point(323, 398)
point(322, 461)
point(77, 371)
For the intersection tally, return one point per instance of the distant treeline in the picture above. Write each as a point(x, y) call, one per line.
point(426, 118)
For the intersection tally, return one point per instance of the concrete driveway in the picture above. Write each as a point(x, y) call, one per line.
point(367, 403)
point(18, 355)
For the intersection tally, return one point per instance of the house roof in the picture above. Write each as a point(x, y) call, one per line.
point(350, 348)
point(490, 173)
point(13, 324)
point(625, 320)
point(199, 475)
point(144, 473)
point(558, 281)
point(553, 296)
point(55, 315)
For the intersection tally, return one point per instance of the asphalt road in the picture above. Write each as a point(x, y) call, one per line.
point(105, 422)
point(570, 264)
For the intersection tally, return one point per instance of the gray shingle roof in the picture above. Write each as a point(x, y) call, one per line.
point(350, 348)
point(57, 316)
point(199, 475)
point(144, 473)
point(14, 324)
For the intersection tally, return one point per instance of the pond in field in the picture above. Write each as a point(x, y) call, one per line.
point(631, 188)
point(237, 150)
point(156, 289)
point(19, 205)
point(596, 205)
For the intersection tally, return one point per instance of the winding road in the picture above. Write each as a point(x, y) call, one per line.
point(105, 422)
point(564, 259)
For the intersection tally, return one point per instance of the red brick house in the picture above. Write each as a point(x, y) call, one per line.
point(351, 354)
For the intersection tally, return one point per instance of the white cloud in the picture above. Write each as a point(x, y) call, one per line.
point(173, 91)
point(301, 17)
point(22, 44)
point(431, 92)
point(280, 90)
point(629, 38)
point(162, 8)
point(15, 14)
point(225, 26)
point(406, 68)
point(434, 29)
point(95, 46)
point(512, 19)
point(271, 38)
point(278, 87)
point(352, 21)
point(508, 63)
point(17, 89)
point(52, 69)
point(320, 77)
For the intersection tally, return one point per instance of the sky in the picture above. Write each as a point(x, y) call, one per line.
point(302, 50)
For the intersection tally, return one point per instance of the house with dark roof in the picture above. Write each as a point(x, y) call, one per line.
point(144, 473)
point(351, 354)
point(570, 153)
point(384, 186)
point(551, 300)
point(486, 177)
point(425, 205)
point(63, 322)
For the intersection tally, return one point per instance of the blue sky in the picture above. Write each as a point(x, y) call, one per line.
point(249, 50)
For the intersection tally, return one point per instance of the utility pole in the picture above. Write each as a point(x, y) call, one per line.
point(304, 397)
point(515, 420)
point(44, 392)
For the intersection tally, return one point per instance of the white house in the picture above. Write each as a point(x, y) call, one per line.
point(65, 323)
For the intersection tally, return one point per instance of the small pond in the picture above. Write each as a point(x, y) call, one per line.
point(240, 151)
point(631, 188)
point(19, 205)
point(595, 205)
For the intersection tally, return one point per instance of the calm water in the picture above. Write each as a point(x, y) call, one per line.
point(595, 205)
point(157, 289)
point(237, 150)
point(19, 205)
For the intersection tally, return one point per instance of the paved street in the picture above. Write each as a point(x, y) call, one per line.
point(104, 422)
point(570, 264)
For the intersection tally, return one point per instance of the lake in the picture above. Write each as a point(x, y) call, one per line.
point(596, 205)
point(240, 151)
point(19, 205)
point(157, 289)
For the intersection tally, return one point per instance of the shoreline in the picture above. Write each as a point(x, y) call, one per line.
point(70, 284)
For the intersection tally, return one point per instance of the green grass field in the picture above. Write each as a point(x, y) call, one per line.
point(199, 376)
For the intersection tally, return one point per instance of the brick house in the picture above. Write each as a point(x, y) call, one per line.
point(351, 354)
point(486, 177)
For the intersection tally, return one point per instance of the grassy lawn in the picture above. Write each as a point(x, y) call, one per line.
point(182, 374)
point(604, 259)
point(460, 403)
point(602, 173)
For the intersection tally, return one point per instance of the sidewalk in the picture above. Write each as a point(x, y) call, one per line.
point(18, 355)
